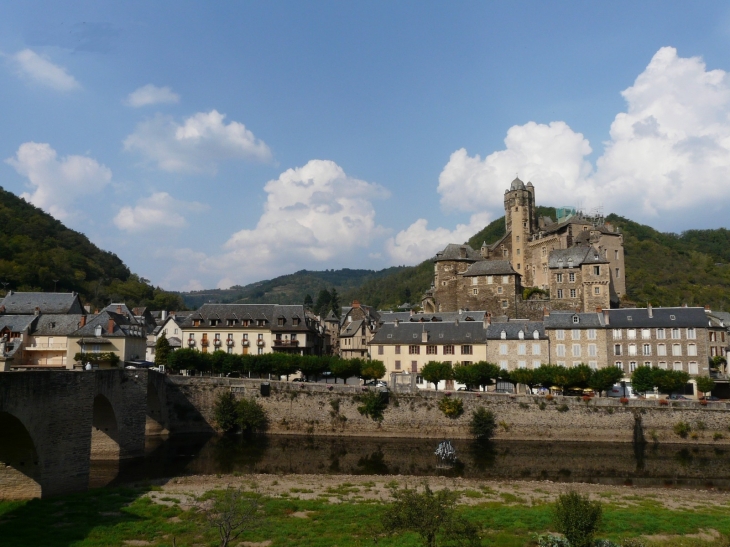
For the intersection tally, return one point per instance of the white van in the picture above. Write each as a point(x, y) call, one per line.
point(620, 391)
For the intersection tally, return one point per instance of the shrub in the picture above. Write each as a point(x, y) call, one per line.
point(624, 401)
point(482, 424)
point(682, 429)
point(524, 406)
point(225, 412)
point(577, 518)
point(663, 402)
point(563, 408)
point(504, 425)
point(542, 405)
point(700, 425)
point(587, 398)
point(251, 416)
point(372, 404)
point(703, 402)
point(549, 397)
point(717, 436)
point(451, 407)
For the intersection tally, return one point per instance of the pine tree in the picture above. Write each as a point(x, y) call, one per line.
point(162, 350)
point(308, 302)
point(323, 302)
point(335, 302)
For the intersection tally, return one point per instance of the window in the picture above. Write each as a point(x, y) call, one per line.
point(591, 334)
point(593, 364)
point(536, 349)
point(661, 349)
point(521, 364)
point(490, 279)
point(617, 271)
point(596, 290)
point(414, 366)
point(693, 369)
point(518, 239)
point(647, 363)
point(380, 350)
point(646, 349)
point(518, 252)
point(499, 290)
point(692, 350)
point(521, 335)
point(505, 279)
point(448, 350)
point(646, 334)
point(536, 364)
point(631, 334)
point(571, 277)
point(677, 365)
point(245, 336)
point(596, 270)
point(617, 334)
point(675, 334)
point(632, 366)
point(676, 350)
point(397, 350)
point(713, 338)
point(522, 349)
point(559, 278)
point(615, 256)
point(397, 365)
point(431, 350)
point(576, 350)
point(560, 334)
point(474, 280)
point(575, 333)
point(505, 304)
point(560, 350)
point(617, 349)
point(592, 350)
point(660, 334)
point(573, 293)
point(466, 350)
point(476, 291)
point(230, 349)
point(504, 252)
point(619, 364)
point(503, 349)
point(663, 365)
point(175, 331)
point(691, 333)
point(281, 321)
point(414, 350)
point(560, 293)
point(632, 349)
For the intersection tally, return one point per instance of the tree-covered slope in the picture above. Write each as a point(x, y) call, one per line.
point(38, 253)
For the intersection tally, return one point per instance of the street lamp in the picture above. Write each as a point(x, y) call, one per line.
point(54, 284)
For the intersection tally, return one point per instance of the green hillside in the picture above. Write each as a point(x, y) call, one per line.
point(38, 253)
point(290, 289)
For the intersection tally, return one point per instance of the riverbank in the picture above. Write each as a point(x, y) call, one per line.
point(323, 510)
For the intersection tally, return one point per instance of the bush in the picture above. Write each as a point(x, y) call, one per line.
point(577, 518)
point(482, 424)
point(549, 397)
point(682, 429)
point(225, 412)
point(251, 416)
point(372, 404)
point(624, 401)
point(663, 402)
point(563, 408)
point(451, 407)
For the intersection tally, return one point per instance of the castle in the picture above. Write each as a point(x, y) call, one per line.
point(577, 259)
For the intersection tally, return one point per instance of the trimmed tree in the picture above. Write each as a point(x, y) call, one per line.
point(486, 373)
point(524, 376)
point(467, 375)
point(705, 384)
point(605, 378)
point(643, 379)
point(436, 371)
point(372, 370)
point(162, 350)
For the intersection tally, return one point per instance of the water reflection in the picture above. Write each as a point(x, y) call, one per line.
point(638, 464)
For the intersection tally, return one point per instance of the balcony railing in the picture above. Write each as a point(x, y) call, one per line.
point(260, 343)
point(191, 341)
point(46, 346)
point(204, 343)
point(229, 342)
point(286, 343)
point(245, 343)
point(217, 342)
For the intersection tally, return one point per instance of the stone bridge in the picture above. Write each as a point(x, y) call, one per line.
point(53, 423)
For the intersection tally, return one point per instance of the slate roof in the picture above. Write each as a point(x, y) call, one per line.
point(124, 310)
point(723, 318)
point(564, 320)
point(25, 303)
point(661, 317)
point(489, 267)
point(123, 326)
point(16, 323)
point(578, 255)
point(513, 328)
point(390, 317)
point(175, 342)
point(57, 324)
point(438, 333)
point(517, 184)
point(268, 312)
point(352, 329)
point(454, 251)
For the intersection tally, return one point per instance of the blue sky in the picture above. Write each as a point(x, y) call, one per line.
point(209, 144)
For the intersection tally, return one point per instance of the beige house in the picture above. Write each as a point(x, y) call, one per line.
point(104, 333)
point(357, 328)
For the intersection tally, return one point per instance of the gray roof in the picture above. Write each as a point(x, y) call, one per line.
point(517, 184)
point(723, 318)
point(565, 320)
point(351, 329)
point(490, 267)
point(438, 333)
point(453, 251)
point(513, 328)
point(23, 303)
point(661, 317)
point(576, 256)
point(268, 312)
point(123, 326)
point(390, 317)
point(122, 309)
point(175, 342)
point(57, 324)
point(16, 323)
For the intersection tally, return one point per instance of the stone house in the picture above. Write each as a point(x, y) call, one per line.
point(576, 338)
point(517, 344)
point(357, 327)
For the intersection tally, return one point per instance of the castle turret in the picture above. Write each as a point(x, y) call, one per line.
point(520, 220)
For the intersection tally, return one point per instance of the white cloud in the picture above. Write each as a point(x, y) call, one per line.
point(57, 183)
point(41, 70)
point(312, 214)
point(669, 152)
point(195, 145)
point(151, 94)
point(160, 210)
point(417, 242)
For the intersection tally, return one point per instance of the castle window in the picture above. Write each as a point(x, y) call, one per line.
point(431, 350)
point(518, 265)
point(646, 334)
point(560, 350)
point(518, 239)
point(661, 349)
point(617, 334)
point(544, 251)
point(466, 350)
point(536, 349)
point(524, 224)
point(505, 279)
point(397, 365)
point(518, 252)
point(576, 319)
point(560, 293)
point(503, 349)
point(617, 274)
point(571, 277)
point(617, 349)
point(474, 280)
point(522, 349)
point(575, 333)
point(597, 290)
point(675, 334)
point(560, 334)
point(691, 333)
point(397, 350)
point(490, 279)
point(559, 278)
point(615, 255)
point(591, 334)
point(505, 304)
point(414, 350)
point(499, 290)
point(631, 334)
point(503, 335)
point(596, 270)
point(476, 291)
point(572, 293)
point(504, 252)
point(448, 350)
point(592, 350)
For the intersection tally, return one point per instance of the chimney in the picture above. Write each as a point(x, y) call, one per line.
point(37, 311)
point(424, 337)
point(606, 317)
point(87, 308)
point(411, 312)
point(707, 308)
point(119, 309)
point(2, 309)
point(545, 312)
point(355, 304)
point(110, 326)
point(684, 305)
point(96, 311)
point(457, 321)
point(163, 315)
point(82, 323)
point(599, 309)
point(396, 322)
point(649, 310)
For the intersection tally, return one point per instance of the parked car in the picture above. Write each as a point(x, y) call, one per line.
point(300, 380)
point(678, 397)
point(375, 383)
point(467, 388)
point(710, 398)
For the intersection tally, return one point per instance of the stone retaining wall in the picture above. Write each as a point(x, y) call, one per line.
point(295, 408)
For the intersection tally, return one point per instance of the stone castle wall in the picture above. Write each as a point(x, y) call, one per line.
point(314, 409)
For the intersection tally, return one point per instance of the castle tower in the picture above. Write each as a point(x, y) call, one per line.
point(520, 219)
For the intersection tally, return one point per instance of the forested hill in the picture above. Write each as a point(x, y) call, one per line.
point(38, 253)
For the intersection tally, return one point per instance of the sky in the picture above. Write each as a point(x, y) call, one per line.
point(213, 144)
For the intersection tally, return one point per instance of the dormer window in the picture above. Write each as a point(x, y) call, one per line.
point(536, 335)
point(295, 321)
point(503, 335)
point(196, 322)
point(521, 335)
point(576, 319)
point(628, 318)
point(97, 330)
point(246, 322)
point(281, 321)
point(672, 317)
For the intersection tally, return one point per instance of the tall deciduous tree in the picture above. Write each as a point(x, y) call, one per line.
point(435, 371)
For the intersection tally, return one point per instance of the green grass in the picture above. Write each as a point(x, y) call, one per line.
point(108, 517)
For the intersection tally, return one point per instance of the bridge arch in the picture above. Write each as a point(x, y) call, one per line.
point(20, 468)
point(104, 430)
point(155, 423)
